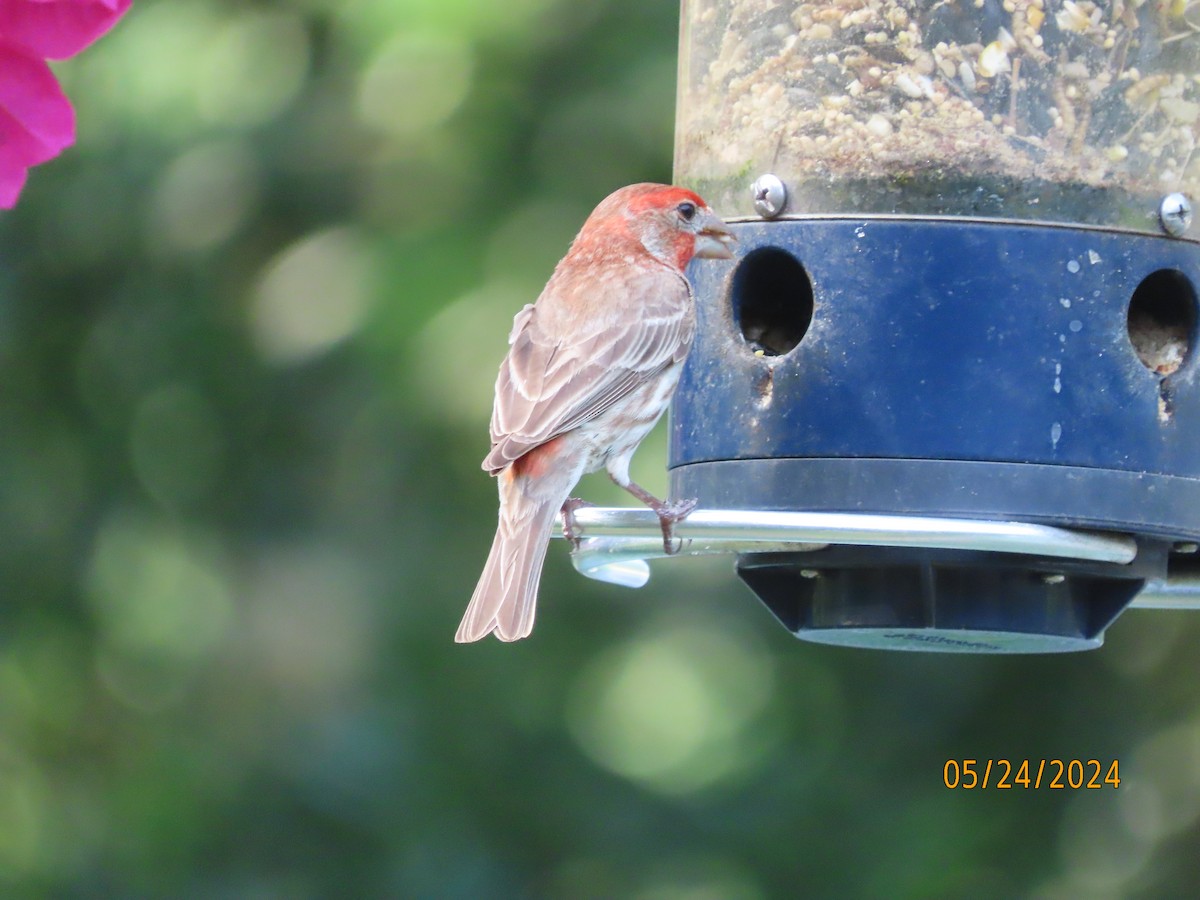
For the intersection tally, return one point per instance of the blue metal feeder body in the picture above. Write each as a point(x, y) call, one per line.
point(946, 368)
point(965, 288)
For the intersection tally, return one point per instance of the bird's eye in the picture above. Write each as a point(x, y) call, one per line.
point(687, 210)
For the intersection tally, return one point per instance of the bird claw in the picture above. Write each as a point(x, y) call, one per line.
point(668, 514)
point(570, 526)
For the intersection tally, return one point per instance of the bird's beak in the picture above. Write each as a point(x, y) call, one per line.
point(714, 240)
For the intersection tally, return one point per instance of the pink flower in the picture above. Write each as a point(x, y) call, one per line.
point(36, 119)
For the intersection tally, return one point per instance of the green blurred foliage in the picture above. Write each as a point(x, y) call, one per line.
point(248, 332)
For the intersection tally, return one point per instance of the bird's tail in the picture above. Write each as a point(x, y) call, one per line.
point(506, 596)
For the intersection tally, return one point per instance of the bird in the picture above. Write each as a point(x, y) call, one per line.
point(591, 367)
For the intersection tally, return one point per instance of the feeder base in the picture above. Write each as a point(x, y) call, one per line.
point(900, 599)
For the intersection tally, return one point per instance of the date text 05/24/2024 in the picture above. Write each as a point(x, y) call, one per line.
point(1053, 774)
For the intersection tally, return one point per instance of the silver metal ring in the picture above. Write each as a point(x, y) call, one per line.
point(617, 542)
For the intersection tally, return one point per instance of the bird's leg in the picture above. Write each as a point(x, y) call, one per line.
point(668, 513)
point(570, 526)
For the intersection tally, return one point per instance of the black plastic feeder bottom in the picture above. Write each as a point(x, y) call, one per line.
point(946, 601)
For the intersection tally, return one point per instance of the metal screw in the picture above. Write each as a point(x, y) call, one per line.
point(769, 196)
point(1186, 547)
point(1175, 214)
point(1054, 578)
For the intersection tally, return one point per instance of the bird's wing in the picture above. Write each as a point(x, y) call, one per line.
point(552, 383)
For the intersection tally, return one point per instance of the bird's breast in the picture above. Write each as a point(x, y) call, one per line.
point(625, 424)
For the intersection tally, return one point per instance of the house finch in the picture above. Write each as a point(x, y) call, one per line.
point(591, 367)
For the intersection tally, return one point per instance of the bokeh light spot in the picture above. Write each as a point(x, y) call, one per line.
point(146, 71)
point(312, 295)
point(22, 801)
point(311, 619)
point(1163, 796)
point(471, 332)
point(253, 68)
point(674, 709)
point(1099, 856)
point(204, 196)
point(415, 83)
point(698, 878)
point(531, 240)
point(156, 592)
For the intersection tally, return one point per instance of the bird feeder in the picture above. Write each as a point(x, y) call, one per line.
point(946, 396)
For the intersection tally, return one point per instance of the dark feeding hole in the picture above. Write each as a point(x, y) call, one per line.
point(772, 300)
point(1162, 320)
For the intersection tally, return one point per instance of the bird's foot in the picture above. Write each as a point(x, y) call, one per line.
point(669, 512)
point(570, 526)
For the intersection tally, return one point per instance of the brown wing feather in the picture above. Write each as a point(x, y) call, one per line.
point(551, 383)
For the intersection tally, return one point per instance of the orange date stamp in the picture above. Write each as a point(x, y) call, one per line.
point(1031, 774)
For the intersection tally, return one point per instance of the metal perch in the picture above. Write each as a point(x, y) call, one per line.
point(618, 542)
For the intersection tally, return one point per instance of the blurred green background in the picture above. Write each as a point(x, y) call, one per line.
point(248, 333)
